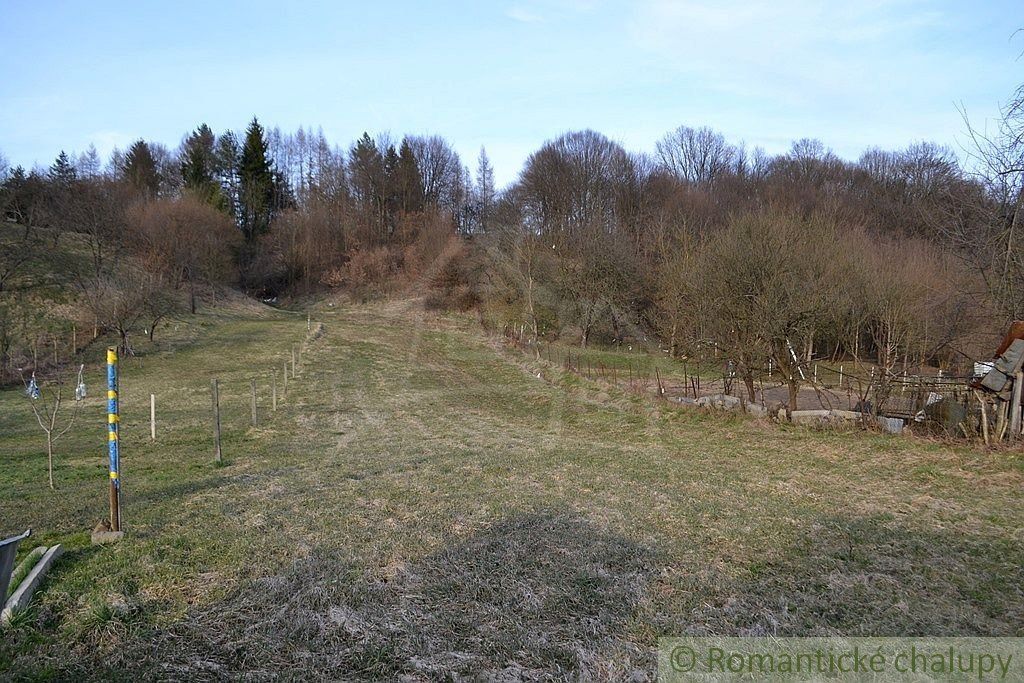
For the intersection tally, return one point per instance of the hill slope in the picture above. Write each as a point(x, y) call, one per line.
point(420, 503)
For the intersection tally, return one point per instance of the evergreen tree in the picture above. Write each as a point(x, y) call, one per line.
point(140, 169)
point(368, 177)
point(198, 164)
point(408, 181)
point(62, 172)
point(366, 168)
point(226, 161)
point(256, 183)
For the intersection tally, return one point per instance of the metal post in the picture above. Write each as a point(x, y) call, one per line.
point(152, 417)
point(113, 444)
point(273, 392)
point(285, 375)
point(216, 421)
point(293, 362)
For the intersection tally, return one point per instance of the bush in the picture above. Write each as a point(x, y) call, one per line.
point(370, 271)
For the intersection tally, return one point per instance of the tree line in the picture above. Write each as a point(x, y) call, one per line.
point(702, 247)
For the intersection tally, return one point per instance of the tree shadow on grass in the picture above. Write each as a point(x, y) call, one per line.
point(533, 596)
point(867, 576)
point(553, 596)
point(174, 490)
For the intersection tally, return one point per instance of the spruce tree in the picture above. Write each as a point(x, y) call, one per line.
point(407, 180)
point(140, 170)
point(368, 171)
point(256, 183)
point(62, 172)
point(225, 168)
point(198, 164)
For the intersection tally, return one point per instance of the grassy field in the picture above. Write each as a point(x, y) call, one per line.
point(426, 503)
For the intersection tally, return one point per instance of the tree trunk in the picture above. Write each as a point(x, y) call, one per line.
point(49, 458)
point(794, 388)
point(748, 380)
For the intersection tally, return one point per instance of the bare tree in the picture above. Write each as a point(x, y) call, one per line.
point(698, 156)
point(124, 302)
point(768, 283)
point(991, 229)
point(46, 401)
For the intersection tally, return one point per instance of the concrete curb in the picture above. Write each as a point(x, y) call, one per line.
point(19, 598)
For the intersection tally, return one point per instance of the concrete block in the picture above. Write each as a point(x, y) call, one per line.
point(720, 401)
point(20, 597)
point(756, 409)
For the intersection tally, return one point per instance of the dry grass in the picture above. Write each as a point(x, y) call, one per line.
point(425, 506)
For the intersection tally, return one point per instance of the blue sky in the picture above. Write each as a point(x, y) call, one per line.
point(507, 75)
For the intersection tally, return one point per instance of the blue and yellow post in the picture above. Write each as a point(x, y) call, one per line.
point(113, 442)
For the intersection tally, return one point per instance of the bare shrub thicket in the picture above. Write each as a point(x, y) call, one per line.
point(703, 247)
point(186, 241)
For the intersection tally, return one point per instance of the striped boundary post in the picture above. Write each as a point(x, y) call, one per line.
point(113, 443)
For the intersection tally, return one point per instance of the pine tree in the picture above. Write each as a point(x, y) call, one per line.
point(256, 183)
point(140, 170)
point(62, 172)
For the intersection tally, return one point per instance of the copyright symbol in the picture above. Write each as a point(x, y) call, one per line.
point(683, 658)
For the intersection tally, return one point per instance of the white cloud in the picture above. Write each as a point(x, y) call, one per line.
point(789, 48)
point(540, 11)
point(107, 140)
point(523, 14)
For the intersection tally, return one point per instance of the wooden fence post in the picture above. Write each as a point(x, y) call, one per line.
point(1018, 386)
point(285, 387)
point(252, 389)
point(273, 392)
point(216, 421)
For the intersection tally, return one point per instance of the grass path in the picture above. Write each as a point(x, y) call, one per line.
point(424, 503)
